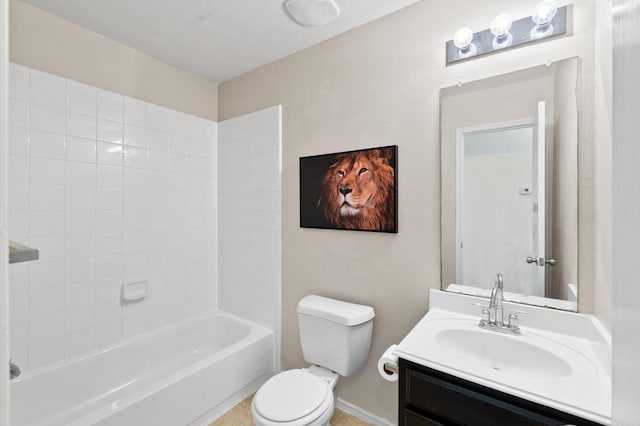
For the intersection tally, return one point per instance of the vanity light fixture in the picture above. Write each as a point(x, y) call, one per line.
point(311, 13)
point(463, 40)
point(500, 27)
point(548, 21)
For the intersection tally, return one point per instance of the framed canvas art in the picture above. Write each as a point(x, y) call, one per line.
point(353, 190)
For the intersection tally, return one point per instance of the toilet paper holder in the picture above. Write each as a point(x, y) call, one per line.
point(391, 369)
point(388, 364)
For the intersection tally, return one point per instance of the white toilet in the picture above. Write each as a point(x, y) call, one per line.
point(336, 338)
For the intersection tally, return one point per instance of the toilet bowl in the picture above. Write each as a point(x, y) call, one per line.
point(301, 397)
point(335, 338)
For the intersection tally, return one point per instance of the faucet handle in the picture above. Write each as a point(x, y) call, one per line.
point(513, 318)
point(485, 312)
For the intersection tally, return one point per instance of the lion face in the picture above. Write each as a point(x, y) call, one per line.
point(358, 191)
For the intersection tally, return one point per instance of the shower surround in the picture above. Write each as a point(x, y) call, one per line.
point(110, 189)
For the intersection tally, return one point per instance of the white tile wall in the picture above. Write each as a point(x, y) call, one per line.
point(249, 223)
point(110, 189)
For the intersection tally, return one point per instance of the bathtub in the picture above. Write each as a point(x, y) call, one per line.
point(183, 374)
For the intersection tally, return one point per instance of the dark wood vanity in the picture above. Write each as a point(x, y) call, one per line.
point(431, 398)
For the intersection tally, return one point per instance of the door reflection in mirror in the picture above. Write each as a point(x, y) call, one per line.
point(497, 207)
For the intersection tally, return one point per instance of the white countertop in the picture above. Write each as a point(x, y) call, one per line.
point(579, 339)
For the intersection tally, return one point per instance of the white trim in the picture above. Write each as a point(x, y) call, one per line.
point(362, 414)
point(459, 207)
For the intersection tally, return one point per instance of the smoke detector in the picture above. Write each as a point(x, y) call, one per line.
point(312, 13)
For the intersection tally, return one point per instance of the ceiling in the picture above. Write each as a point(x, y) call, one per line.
point(216, 39)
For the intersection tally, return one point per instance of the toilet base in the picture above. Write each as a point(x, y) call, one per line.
point(322, 419)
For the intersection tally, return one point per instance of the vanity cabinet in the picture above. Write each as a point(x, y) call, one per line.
point(430, 397)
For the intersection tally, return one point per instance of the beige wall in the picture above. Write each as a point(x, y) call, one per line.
point(45, 42)
point(378, 85)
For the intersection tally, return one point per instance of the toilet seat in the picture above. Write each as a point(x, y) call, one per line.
point(292, 398)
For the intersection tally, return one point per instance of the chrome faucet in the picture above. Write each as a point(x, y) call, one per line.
point(493, 315)
point(495, 303)
point(14, 371)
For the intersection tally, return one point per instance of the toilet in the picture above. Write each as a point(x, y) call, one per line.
point(335, 338)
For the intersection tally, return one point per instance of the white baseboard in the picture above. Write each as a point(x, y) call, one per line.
point(362, 414)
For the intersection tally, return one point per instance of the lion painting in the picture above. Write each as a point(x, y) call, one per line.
point(358, 191)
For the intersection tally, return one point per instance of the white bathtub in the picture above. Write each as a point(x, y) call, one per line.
point(179, 375)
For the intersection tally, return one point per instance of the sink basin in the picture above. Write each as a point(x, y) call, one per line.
point(501, 352)
point(457, 343)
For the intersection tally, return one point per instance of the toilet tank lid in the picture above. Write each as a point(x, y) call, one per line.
point(335, 310)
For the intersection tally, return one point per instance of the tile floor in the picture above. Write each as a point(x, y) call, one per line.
point(240, 415)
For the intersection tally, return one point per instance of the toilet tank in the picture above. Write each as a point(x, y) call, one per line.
point(335, 334)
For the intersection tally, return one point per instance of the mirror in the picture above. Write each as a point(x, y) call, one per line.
point(509, 147)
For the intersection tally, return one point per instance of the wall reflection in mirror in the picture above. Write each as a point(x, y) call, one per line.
point(509, 147)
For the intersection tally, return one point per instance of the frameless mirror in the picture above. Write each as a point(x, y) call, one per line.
point(509, 147)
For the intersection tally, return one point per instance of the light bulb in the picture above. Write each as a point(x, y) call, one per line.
point(501, 25)
point(544, 12)
point(542, 16)
point(462, 38)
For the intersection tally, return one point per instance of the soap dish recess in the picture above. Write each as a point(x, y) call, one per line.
point(135, 290)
